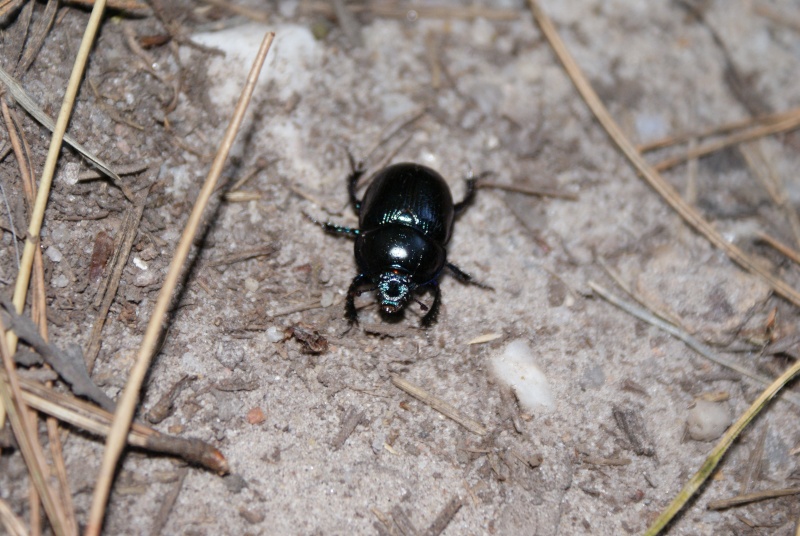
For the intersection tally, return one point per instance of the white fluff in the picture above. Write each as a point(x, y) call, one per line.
point(516, 368)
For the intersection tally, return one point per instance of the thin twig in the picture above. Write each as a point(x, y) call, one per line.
point(12, 523)
point(33, 108)
point(27, 438)
point(252, 14)
point(779, 246)
point(445, 408)
point(130, 224)
point(752, 497)
point(36, 41)
point(717, 130)
point(423, 11)
point(525, 190)
point(791, 122)
point(168, 502)
point(444, 517)
point(95, 420)
point(130, 396)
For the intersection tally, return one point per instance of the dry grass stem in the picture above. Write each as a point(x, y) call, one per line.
point(779, 246)
point(39, 33)
point(130, 396)
point(252, 14)
point(32, 241)
point(718, 130)
point(445, 408)
point(653, 178)
point(690, 341)
point(121, 5)
point(97, 421)
point(790, 122)
point(13, 525)
point(30, 106)
point(422, 11)
point(767, 175)
point(752, 497)
point(538, 192)
point(108, 290)
point(25, 432)
point(391, 130)
point(168, 502)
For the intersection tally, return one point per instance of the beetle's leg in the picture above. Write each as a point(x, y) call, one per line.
point(350, 312)
point(335, 228)
point(340, 229)
point(465, 278)
point(430, 318)
point(356, 171)
point(469, 196)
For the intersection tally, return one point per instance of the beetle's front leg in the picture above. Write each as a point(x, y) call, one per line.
point(350, 312)
point(465, 278)
point(430, 318)
point(356, 171)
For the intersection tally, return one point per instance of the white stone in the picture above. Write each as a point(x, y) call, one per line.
point(708, 420)
point(53, 254)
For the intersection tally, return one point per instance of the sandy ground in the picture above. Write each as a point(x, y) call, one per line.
point(487, 95)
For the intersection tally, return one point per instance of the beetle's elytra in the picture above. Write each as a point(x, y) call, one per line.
point(405, 221)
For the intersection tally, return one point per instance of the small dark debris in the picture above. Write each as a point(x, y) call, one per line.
point(251, 517)
point(166, 404)
point(631, 423)
point(445, 517)
point(312, 342)
point(235, 483)
point(101, 253)
point(351, 419)
point(403, 521)
point(232, 385)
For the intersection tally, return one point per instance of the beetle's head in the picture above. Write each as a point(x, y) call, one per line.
point(394, 290)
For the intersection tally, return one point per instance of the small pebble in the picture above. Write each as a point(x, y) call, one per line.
point(139, 263)
point(251, 284)
point(71, 173)
point(146, 279)
point(256, 416)
point(708, 420)
point(235, 483)
point(60, 281)
point(53, 254)
point(275, 334)
point(327, 299)
point(251, 516)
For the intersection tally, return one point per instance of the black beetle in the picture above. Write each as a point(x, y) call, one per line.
point(405, 221)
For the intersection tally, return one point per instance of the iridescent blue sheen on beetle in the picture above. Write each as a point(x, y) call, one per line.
point(405, 221)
